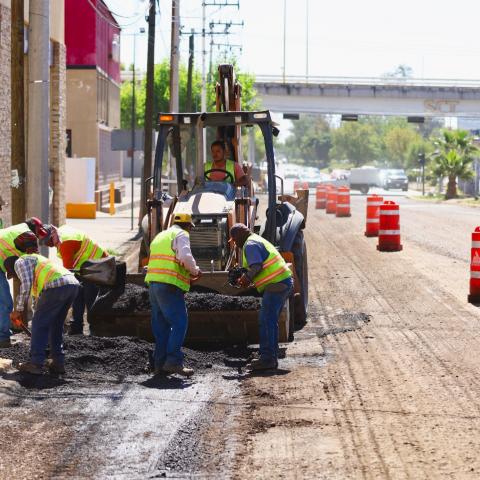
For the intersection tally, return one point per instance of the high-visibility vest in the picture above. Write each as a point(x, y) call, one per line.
point(163, 266)
point(45, 272)
point(88, 250)
point(229, 167)
point(7, 242)
point(274, 268)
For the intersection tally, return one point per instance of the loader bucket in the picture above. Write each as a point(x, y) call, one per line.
point(225, 326)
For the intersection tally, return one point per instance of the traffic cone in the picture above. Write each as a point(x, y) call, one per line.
point(474, 296)
point(343, 202)
point(331, 206)
point(389, 231)
point(321, 196)
point(373, 218)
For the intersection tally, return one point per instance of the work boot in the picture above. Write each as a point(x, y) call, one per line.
point(29, 367)
point(5, 343)
point(263, 364)
point(55, 367)
point(180, 369)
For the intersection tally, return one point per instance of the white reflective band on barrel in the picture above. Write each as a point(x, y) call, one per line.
point(476, 244)
point(374, 204)
point(474, 274)
point(373, 220)
point(389, 232)
point(389, 212)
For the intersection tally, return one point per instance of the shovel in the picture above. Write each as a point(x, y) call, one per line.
point(101, 272)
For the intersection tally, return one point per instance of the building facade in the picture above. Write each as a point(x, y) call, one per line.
point(57, 107)
point(92, 37)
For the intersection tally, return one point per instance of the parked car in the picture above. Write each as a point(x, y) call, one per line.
point(395, 178)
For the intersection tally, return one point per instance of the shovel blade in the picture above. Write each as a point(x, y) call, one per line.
point(101, 272)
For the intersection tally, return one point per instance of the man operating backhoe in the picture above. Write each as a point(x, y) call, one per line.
point(224, 170)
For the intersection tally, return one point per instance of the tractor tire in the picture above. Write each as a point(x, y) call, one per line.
point(299, 250)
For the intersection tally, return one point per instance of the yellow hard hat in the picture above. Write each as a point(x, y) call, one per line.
point(183, 218)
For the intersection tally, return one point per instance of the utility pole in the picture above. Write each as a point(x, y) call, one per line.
point(38, 110)
point(133, 125)
point(306, 39)
point(204, 55)
point(174, 56)
point(188, 104)
point(18, 111)
point(284, 38)
point(148, 121)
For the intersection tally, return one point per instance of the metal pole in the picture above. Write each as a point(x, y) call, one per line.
point(134, 121)
point(174, 56)
point(306, 54)
point(284, 37)
point(149, 101)
point(204, 53)
point(18, 111)
point(38, 110)
point(423, 179)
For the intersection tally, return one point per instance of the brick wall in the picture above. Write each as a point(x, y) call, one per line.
point(58, 140)
point(57, 123)
point(5, 132)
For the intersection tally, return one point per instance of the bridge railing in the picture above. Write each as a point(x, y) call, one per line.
point(368, 81)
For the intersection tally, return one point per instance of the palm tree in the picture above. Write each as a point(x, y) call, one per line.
point(452, 158)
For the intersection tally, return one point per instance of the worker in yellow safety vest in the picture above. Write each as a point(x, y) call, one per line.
point(75, 247)
point(170, 271)
point(269, 273)
point(14, 240)
point(221, 169)
point(54, 289)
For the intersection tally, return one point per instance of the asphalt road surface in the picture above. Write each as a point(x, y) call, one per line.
point(383, 381)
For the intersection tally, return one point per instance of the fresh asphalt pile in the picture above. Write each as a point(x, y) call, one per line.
point(135, 298)
point(104, 357)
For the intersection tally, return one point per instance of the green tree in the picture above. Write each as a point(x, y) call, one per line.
point(162, 93)
point(309, 140)
point(356, 142)
point(452, 158)
point(398, 141)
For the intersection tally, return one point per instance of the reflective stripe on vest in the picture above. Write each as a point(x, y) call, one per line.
point(45, 272)
point(229, 167)
point(163, 266)
point(274, 268)
point(88, 250)
point(7, 242)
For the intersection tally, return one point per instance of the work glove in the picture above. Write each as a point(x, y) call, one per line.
point(244, 281)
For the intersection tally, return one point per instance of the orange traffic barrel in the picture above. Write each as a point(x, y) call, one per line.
point(343, 202)
point(389, 229)
point(474, 296)
point(331, 206)
point(321, 196)
point(373, 215)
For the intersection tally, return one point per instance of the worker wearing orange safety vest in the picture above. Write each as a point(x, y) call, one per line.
point(75, 247)
point(270, 275)
point(171, 268)
point(14, 241)
point(54, 288)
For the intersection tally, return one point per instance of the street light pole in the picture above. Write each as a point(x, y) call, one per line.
point(133, 131)
point(284, 37)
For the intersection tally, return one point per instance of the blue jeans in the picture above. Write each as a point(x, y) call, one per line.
point(87, 294)
point(272, 305)
point(169, 323)
point(6, 306)
point(47, 323)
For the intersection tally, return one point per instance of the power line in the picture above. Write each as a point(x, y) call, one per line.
point(116, 25)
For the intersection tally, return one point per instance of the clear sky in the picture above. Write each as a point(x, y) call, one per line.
point(436, 38)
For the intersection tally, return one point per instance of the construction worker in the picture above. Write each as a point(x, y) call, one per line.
point(237, 175)
point(14, 240)
point(269, 273)
point(171, 268)
point(54, 289)
point(74, 247)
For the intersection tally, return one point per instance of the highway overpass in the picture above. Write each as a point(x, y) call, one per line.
point(370, 96)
